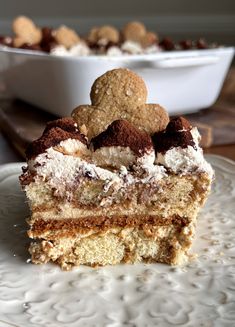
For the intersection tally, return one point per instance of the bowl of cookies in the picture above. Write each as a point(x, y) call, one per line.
point(54, 68)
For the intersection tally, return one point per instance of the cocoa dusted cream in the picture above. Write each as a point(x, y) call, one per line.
point(176, 134)
point(122, 133)
point(55, 132)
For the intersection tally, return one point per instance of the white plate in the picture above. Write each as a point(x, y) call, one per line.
point(199, 294)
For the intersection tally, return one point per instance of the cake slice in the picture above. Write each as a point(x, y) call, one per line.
point(121, 196)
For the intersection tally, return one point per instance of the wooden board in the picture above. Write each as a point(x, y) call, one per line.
point(22, 123)
point(221, 119)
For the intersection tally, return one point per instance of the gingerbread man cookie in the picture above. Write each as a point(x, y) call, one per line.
point(120, 94)
point(25, 31)
point(137, 32)
point(103, 35)
point(66, 36)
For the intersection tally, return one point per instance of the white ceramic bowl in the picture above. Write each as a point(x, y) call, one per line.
point(181, 81)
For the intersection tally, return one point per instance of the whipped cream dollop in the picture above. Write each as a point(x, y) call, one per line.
point(118, 156)
point(152, 49)
point(64, 168)
point(78, 50)
point(182, 154)
point(59, 50)
point(121, 144)
point(74, 147)
point(113, 156)
point(82, 49)
point(114, 51)
point(184, 160)
point(132, 47)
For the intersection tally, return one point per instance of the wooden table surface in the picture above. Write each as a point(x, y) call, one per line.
point(227, 151)
point(227, 93)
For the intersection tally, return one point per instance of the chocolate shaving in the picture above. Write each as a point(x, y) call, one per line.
point(122, 133)
point(48, 41)
point(167, 44)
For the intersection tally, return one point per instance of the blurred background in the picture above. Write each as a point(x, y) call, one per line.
point(21, 122)
point(180, 19)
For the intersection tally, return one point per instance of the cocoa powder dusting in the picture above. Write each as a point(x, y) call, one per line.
point(122, 133)
point(176, 134)
point(55, 132)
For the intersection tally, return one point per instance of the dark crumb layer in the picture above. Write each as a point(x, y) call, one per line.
point(122, 133)
point(103, 222)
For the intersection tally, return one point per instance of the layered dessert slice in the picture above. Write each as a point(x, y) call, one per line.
point(122, 196)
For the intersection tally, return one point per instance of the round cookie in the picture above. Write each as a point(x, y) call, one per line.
point(66, 36)
point(103, 35)
point(149, 39)
point(109, 33)
point(92, 36)
point(134, 31)
point(118, 87)
point(26, 31)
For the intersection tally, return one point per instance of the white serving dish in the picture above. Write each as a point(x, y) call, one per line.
point(181, 81)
